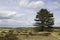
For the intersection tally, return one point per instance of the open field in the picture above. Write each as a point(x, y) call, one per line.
point(29, 34)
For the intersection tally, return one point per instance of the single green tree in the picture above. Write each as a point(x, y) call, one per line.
point(44, 20)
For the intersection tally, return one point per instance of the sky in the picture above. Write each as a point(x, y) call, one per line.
point(21, 13)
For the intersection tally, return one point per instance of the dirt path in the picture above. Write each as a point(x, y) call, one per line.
point(56, 35)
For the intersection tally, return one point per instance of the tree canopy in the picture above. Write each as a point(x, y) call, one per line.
point(44, 19)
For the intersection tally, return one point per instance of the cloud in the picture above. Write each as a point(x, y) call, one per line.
point(52, 5)
point(9, 15)
point(10, 18)
point(9, 23)
point(23, 12)
point(36, 4)
point(6, 14)
point(32, 4)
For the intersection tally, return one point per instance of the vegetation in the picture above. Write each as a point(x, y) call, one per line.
point(8, 36)
point(27, 34)
point(44, 20)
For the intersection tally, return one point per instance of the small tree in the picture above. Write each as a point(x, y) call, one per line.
point(44, 19)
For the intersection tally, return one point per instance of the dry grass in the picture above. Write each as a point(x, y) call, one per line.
point(23, 35)
point(38, 37)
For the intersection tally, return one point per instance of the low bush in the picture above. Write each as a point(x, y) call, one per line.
point(9, 36)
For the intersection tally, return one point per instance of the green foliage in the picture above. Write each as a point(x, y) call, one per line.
point(44, 19)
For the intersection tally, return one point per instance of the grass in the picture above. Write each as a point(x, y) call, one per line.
point(29, 34)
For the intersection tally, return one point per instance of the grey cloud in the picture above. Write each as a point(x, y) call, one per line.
point(1, 17)
point(9, 14)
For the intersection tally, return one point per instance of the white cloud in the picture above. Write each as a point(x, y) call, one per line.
point(18, 15)
point(24, 3)
point(57, 22)
point(32, 4)
point(9, 18)
point(36, 4)
point(9, 14)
